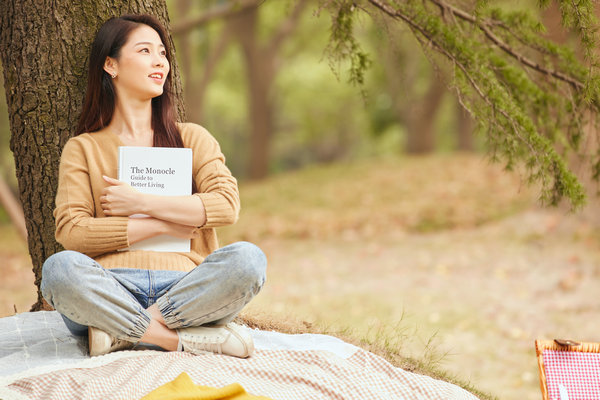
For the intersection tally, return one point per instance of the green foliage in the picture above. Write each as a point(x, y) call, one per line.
point(344, 46)
point(579, 17)
point(534, 100)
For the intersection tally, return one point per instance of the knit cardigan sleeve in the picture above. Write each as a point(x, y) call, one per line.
point(78, 227)
point(216, 187)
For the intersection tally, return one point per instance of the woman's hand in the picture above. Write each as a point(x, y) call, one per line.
point(120, 199)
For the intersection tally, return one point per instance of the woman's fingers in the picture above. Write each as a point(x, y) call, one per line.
point(118, 198)
point(110, 180)
point(104, 203)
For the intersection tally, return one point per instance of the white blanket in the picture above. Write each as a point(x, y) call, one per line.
point(40, 359)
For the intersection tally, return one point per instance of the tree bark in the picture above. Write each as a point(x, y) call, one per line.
point(44, 45)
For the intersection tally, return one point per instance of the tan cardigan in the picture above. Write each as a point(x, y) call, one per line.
point(82, 226)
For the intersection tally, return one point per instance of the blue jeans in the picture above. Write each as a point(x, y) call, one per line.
point(115, 300)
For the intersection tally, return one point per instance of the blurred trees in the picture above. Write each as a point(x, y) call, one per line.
point(279, 48)
point(417, 91)
point(261, 64)
point(406, 90)
point(535, 101)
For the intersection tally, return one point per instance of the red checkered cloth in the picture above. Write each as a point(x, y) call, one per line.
point(578, 372)
point(278, 374)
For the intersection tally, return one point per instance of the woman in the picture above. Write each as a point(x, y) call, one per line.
point(178, 301)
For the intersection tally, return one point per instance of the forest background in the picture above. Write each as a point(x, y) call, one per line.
point(378, 206)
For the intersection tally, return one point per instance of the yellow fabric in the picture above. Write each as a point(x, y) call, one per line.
point(183, 388)
point(82, 226)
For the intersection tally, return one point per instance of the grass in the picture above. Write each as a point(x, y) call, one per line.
point(386, 341)
point(369, 197)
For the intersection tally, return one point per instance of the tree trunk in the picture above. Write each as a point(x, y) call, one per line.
point(260, 71)
point(552, 20)
point(464, 129)
point(44, 47)
point(421, 118)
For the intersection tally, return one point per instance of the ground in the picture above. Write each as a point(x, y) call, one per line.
point(448, 258)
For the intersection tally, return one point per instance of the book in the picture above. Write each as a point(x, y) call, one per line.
point(165, 171)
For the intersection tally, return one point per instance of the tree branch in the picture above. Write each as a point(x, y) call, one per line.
point(224, 11)
point(416, 27)
point(485, 28)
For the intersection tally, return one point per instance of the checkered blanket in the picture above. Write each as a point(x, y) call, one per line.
point(283, 367)
point(578, 373)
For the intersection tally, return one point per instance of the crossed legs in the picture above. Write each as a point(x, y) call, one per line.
point(213, 293)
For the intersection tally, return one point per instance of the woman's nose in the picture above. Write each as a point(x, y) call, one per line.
point(158, 60)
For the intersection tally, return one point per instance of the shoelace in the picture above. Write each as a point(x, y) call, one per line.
point(211, 347)
point(208, 344)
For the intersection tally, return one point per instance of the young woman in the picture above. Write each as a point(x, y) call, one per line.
point(178, 301)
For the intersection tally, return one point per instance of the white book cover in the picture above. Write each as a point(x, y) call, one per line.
point(165, 171)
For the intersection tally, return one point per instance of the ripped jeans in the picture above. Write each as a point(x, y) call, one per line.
point(115, 300)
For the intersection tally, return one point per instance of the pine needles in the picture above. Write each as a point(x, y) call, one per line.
point(536, 102)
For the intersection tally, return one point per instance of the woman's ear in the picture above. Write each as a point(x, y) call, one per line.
point(110, 66)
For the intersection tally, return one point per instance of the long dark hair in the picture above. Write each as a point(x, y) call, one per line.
point(99, 103)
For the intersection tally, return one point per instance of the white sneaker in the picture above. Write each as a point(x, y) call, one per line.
point(231, 339)
point(101, 343)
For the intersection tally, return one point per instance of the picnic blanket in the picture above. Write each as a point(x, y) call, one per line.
point(39, 359)
point(183, 388)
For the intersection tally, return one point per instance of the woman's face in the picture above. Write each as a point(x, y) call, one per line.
point(142, 66)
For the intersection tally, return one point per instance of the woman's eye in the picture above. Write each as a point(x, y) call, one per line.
point(145, 50)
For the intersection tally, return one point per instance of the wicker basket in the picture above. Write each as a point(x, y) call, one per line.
point(559, 345)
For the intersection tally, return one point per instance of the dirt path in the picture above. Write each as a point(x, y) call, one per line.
point(479, 296)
